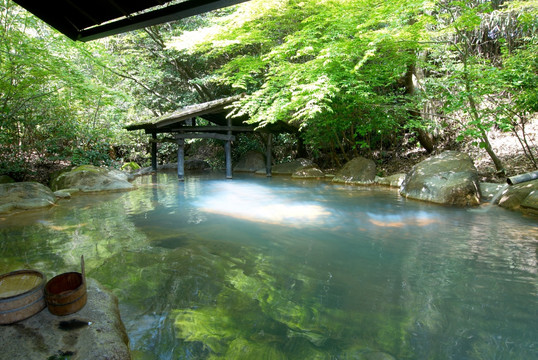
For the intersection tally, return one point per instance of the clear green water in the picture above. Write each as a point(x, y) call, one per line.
point(258, 268)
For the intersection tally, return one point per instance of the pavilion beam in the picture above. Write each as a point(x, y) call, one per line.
point(180, 159)
point(214, 128)
point(228, 150)
point(154, 151)
point(268, 150)
point(225, 137)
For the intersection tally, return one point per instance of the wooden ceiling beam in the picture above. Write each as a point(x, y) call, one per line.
point(169, 13)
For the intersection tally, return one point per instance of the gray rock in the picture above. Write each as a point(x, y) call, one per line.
point(357, 171)
point(62, 194)
point(522, 197)
point(143, 171)
point(252, 161)
point(24, 196)
point(90, 178)
point(488, 191)
point(309, 173)
point(191, 165)
point(448, 178)
point(196, 165)
point(93, 333)
point(395, 180)
point(290, 167)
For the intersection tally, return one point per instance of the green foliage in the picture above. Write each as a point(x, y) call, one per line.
point(484, 91)
point(130, 166)
point(519, 76)
point(319, 65)
point(352, 76)
point(56, 103)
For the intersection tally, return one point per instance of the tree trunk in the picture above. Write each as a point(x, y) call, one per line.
point(476, 117)
point(301, 148)
point(425, 139)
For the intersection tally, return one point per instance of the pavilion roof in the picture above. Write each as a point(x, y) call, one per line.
point(216, 112)
point(88, 20)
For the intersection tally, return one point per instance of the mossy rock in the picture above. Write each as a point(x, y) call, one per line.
point(449, 178)
point(395, 180)
point(309, 173)
point(358, 171)
point(25, 196)
point(92, 178)
point(290, 167)
point(521, 197)
point(489, 190)
point(4, 179)
point(252, 161)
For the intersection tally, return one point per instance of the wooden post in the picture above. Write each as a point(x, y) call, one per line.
point(181, 159)
point(154, 151)
point(228, 151)
point(268, 158)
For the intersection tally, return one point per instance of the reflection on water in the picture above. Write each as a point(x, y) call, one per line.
point(256, 268)
point(260, 203)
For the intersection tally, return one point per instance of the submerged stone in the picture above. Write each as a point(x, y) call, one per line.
point(243, 349)
point(313, 337)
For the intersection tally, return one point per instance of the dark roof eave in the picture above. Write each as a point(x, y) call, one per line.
point(74, 19)
point(167, 14)
point(215, 111)
point(199, 110)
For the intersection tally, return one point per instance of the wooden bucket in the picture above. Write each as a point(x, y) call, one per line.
point(66, 293)
point(21, 295)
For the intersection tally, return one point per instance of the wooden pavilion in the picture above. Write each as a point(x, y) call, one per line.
point(83, 20)
point(183, 125)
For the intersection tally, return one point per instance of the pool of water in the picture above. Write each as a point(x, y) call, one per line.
point(274, 268)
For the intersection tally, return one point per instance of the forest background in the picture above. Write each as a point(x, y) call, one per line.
point(392, 81)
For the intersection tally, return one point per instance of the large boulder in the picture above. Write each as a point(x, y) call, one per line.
point(522, 197)
point(357, 171)
point(95, 332)
point(290, 167)
point(252, 161)
point(25, 196)
point(90, 178)
point(448, 178)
